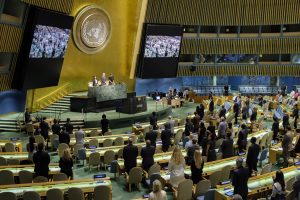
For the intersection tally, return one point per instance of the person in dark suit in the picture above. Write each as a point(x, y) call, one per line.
point(55, 127)
point(130, 153)
point(147, 154)
point(64, 137)
point(295, 115)
point(189, 127)
point(44, 128)
point(166, 136)
point(153, 120)
point(41, 160)
point(242, 138)
point(275, 128)
point(285, 120)
point(236, 111)
point(253, 116)
point(252, 156)
point(27, 116)
point(226, 90)
point(191, 150)
point(240, 179)
point(222, 112)
point(201, 111)
point(211, 106)
point(197, 167)
point(211, 128)
point(287, 144)
point(196, 122)
point(151, 136)
point(227, 146)
point(95, 81)
point(104, 124)
point(202, 133)
point(69, 126)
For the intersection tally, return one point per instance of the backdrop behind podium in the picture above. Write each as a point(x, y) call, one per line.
point(132, 105)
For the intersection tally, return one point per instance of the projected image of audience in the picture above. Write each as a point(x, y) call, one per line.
point(49, 42)
point(162, 46)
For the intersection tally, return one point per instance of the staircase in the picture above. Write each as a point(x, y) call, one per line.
point(61, 106)
point(9, 125)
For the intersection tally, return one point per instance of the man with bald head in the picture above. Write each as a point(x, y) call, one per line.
point(130, 153)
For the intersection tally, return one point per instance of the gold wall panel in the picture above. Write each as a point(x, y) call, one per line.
point(236, 70)
point(64, 6)
point(223, 12)
point(10, 41)
point(78, 67)
point(245, 45)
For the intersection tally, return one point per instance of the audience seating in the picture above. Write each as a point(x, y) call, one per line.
point(109, 156)
point(102, 192)
point(3, 161)
point(256, 89)
point(40, 179)
point(202, 187)
point(289, 184)
point(13, 162)
point(225, 175)
point(55, 194)
point(94, 160)
point(10, 147)
point(25, 176)
point(205, 90)
point(8, 196)
point(60, 177)
point(115, 168)
point(108, 142)
point(39, 139)
point(29, 129)
point(53, 138)
point(82, 155)
point(184, 190)
point(215, 178)
point(94, 133)
point(93, 143)
point(263, 156)
point(119, 141)
point(30, 195)
point(135, 176)
point(6, 177)
point(75, 194)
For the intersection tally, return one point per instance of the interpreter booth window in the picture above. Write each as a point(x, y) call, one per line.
point(228, 31)
point(247, 59)
point(269, 58)
point(296, 59)
point(186, 58)
point(226, 58)
point(12, 12)
point(5, 62)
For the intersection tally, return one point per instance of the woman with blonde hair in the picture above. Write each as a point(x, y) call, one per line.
point(197, 167)
point(66, 163)
point(157, 193)
point(176, 167)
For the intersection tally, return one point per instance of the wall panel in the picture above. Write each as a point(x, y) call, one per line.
point(224, 12)
point(64, 6)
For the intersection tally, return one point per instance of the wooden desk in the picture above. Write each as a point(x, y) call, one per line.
point(159, 158)
point(87, 185)
point(259, 186)
point(17, 144)
point(274, 153)
point(14, 155)
point(15, 169)
point(136, 128)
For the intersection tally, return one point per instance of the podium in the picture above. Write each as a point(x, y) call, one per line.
point(132, 105)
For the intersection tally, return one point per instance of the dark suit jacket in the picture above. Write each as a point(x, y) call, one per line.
point(222, 113)
point(56, 128)
point(69, 128)
point(64, 137)
point(41, 160)
point(253, 152)
point(242, 137)
point(296, 113)
point(130, 152)
point(104, 125)
point(285, 120)
point(227, 148)
point(253, 116)
point(196, 121)
point(212, 129)
point(44, 129)
point(190, 153)
point(240, 181)
point(211, 106)
point(153, 120)
point(152, 135)
point(147, 155)
point(201, 112)
point(166, 136)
